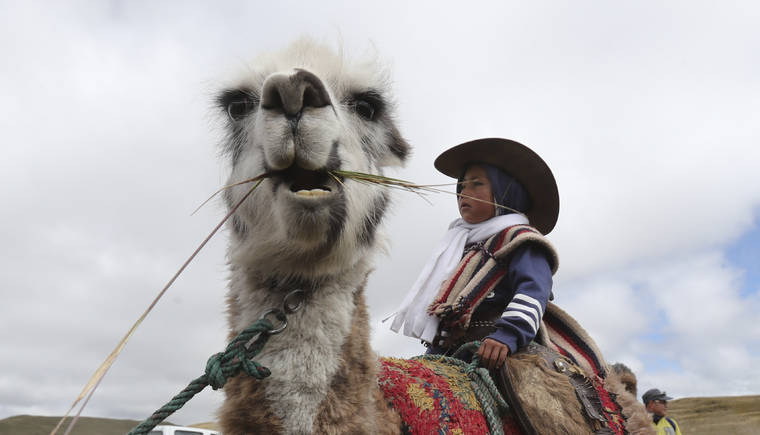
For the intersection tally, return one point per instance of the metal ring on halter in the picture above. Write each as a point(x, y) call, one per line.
point(293, 301)
point(279, 315)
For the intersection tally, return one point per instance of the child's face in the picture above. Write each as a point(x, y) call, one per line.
point(476, 185)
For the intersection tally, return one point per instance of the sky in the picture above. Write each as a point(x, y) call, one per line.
point(647, 112)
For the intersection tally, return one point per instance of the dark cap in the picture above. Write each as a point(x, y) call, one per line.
point(654, 394)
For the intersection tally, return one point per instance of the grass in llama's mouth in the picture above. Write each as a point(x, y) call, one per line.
point(307, 183)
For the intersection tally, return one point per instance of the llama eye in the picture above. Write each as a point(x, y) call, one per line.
point(365, 109)
point(239, 109)
point(368, 104)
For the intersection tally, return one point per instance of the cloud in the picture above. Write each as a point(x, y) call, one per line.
point(109, 143)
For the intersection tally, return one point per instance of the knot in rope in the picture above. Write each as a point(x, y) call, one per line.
point(224, 365)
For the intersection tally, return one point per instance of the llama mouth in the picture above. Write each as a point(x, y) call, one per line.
point(307, 184)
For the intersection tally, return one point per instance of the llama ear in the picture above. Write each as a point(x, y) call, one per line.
point(399, 149)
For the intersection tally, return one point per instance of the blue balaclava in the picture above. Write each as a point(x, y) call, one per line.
point(506, 190)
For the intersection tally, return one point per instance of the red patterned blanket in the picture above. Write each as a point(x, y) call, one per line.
point(435, 396)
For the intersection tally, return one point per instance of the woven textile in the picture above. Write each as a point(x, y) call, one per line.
point(477, 273)
point(562, 333)
point(434, 397)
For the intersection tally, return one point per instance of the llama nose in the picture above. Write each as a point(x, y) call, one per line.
point(291, 93)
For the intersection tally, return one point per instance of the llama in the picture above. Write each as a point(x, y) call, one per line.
point(297, 115)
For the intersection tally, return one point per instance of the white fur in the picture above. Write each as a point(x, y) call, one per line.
point(281, 235)
point(303, 358)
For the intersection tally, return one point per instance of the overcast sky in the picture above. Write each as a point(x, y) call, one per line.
point(648, 113)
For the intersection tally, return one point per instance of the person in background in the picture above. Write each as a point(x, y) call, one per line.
point(656, 402)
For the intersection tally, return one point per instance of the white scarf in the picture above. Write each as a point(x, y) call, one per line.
point(447, 254)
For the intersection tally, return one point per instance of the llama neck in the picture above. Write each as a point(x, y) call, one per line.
point(308, 359)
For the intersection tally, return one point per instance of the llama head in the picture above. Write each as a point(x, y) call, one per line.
point(296, 115)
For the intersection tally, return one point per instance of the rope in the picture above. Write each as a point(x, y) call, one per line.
point(485, 390)
point(219, 368)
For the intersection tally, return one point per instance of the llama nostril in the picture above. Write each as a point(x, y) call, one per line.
point(291, 93)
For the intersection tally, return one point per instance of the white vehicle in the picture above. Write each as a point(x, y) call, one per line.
point(163, 429)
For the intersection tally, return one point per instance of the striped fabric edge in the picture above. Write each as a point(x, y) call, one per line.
point(469, 300)
point(472, 295)
point(496, 243)
point(464, 292)
point(568, 334)
point(527, 233)
point(567, 348)
point(472, 290)
point(562, 333)
point(454, 283)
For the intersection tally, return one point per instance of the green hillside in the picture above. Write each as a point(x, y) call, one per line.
point(733, 415)
point(37, 425)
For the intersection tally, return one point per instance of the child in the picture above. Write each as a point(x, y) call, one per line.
point(490, 277)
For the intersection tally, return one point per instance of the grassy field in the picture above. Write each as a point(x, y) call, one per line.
point(37, 425)
point(736, 415)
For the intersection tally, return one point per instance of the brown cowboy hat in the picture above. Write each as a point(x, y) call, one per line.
point(516, 160)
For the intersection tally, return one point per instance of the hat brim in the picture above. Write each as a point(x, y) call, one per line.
point(517, 160)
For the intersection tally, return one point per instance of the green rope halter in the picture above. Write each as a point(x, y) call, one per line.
point(237, 357)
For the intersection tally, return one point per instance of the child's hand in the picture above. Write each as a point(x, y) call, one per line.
point(492, 353)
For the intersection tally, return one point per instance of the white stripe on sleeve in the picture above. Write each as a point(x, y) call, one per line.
point(532, 311)
point(531, 301)
point(513, 313)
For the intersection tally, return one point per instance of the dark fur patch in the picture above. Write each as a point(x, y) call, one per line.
point(236, 143)
point(239, 227)
point(333, 161)
point(276, 182)
point(336, 225)
point(338, 214)
point(288, 283)
point(372, 219)
point(236, 137)
point(371, 97)
point(228, 199)
point(398, 145)
point(371, 151)
point(228, 96)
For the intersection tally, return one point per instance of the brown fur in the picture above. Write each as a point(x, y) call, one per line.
point(626, 377)
point(354, 391)
point(553, 408)
point(548, 397)
point(637, 421)
point(246, 407)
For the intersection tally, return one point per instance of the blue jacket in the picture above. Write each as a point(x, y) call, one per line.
point(520, 296)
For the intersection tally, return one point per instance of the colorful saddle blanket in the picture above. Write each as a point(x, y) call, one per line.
point(434, 396)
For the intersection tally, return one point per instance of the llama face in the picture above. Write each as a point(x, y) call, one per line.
point(297, 115)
